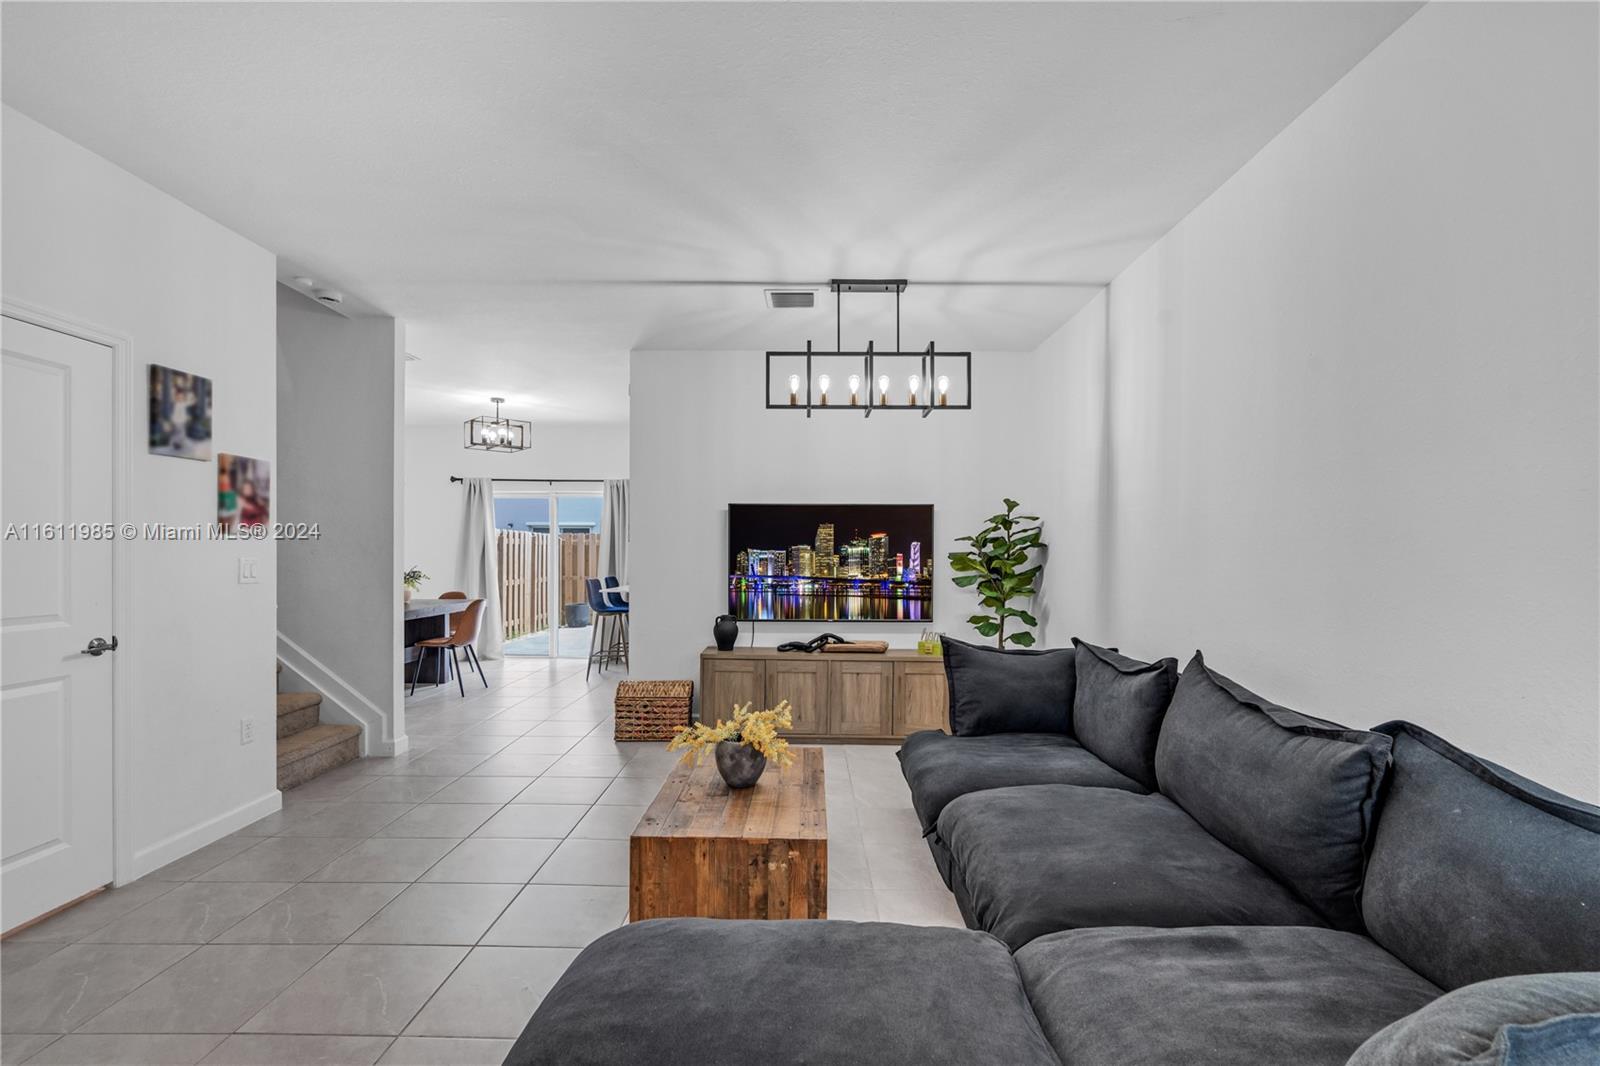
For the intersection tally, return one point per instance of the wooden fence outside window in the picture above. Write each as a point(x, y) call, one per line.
point(525, 576)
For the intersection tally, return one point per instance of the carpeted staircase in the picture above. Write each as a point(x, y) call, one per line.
point(306, 747)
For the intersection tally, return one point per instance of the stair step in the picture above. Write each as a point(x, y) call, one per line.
point(314, 751)
point(289, 702)
point(297, 712)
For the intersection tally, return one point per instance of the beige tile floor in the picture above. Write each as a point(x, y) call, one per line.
point(410, 910)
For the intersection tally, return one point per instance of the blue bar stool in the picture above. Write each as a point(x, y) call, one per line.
point(606, 612)
point(617, 599)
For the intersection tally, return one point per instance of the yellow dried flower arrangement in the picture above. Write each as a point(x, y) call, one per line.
point(757, 729)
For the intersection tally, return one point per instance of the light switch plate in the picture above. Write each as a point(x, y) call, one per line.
point(247, 571)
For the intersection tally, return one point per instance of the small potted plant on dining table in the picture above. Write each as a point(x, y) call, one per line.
point(743, 746)
point(412, 579)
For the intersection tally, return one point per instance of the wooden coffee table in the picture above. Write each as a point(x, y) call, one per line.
point(703, 850)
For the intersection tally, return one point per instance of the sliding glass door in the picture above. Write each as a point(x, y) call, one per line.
point(522, 536)
point(548, 543)
point(578, 547)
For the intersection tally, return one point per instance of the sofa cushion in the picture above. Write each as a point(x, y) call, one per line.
point(1214, 997)
point(939, 767)
point(1488, 1023)
point(688, 991)
point(1294, 794)
point(1043, 858)
point(993, 691)
point(1117, 708)
point(1478, 873)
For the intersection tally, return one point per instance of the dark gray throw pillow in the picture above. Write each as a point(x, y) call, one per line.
point(993, 691)
point(1118, 706)
point(1489, 1023)
point(1291, 793)
point(1479, 873)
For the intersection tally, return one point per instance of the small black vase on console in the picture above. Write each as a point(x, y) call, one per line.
point(726, 632)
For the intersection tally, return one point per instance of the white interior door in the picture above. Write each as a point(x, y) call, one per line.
point(56, 396)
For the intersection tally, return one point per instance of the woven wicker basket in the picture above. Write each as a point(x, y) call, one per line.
point(652, 710)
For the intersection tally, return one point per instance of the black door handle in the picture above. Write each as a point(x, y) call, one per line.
point(98, 646)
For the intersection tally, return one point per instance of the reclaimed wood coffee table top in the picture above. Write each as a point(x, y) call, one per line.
point(786, 804)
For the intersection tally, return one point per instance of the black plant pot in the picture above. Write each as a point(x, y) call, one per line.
point(726, 632)
point(740, 765)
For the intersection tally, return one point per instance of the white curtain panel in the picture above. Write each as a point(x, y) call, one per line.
point(479, 564)
point(614, 531)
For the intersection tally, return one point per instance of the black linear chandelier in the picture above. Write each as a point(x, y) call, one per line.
point(924, 381)
point(498, 434)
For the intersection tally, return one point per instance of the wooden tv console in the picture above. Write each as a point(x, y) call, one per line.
point(834, 696)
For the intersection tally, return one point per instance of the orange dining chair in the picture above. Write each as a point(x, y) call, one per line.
point(463, 632)
point(454, 618)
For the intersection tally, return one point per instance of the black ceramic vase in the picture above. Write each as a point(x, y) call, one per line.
point(726, 632)
point(740, 765)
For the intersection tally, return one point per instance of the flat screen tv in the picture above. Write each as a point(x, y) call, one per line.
point(811, 562)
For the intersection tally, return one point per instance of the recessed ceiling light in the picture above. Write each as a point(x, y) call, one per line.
point(304, 282)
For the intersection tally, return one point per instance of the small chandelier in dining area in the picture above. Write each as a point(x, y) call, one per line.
point(496, 434)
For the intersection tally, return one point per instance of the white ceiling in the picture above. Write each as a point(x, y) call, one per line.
point(537, 189)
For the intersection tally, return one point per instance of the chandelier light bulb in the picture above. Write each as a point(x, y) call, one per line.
point(883, 389)
point(822, 386)
point(794, 389)
point(944, 390)
point(915, 383)
point(855, 387)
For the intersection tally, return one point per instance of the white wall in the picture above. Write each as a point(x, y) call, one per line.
point(94, 245)
point(340, 412)
point(433, 504)
point(1345, 435)
point(703, 439)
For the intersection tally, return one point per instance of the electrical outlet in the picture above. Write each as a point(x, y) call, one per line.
point(247, 731)
point(247, 571)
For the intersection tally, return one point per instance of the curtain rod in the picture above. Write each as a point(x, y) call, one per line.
point(545, 480)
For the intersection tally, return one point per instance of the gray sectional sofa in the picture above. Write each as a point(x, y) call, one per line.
point(1156, 869)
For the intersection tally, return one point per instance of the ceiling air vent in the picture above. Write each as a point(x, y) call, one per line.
point(778, 298)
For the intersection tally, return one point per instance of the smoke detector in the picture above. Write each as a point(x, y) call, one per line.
point(783, 298)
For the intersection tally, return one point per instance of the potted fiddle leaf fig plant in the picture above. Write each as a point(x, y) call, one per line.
point(997, 565)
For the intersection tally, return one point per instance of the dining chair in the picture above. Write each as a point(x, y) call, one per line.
point(463, 633)
point(454, 618)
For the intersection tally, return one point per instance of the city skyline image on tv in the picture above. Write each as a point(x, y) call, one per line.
point(830, 562)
